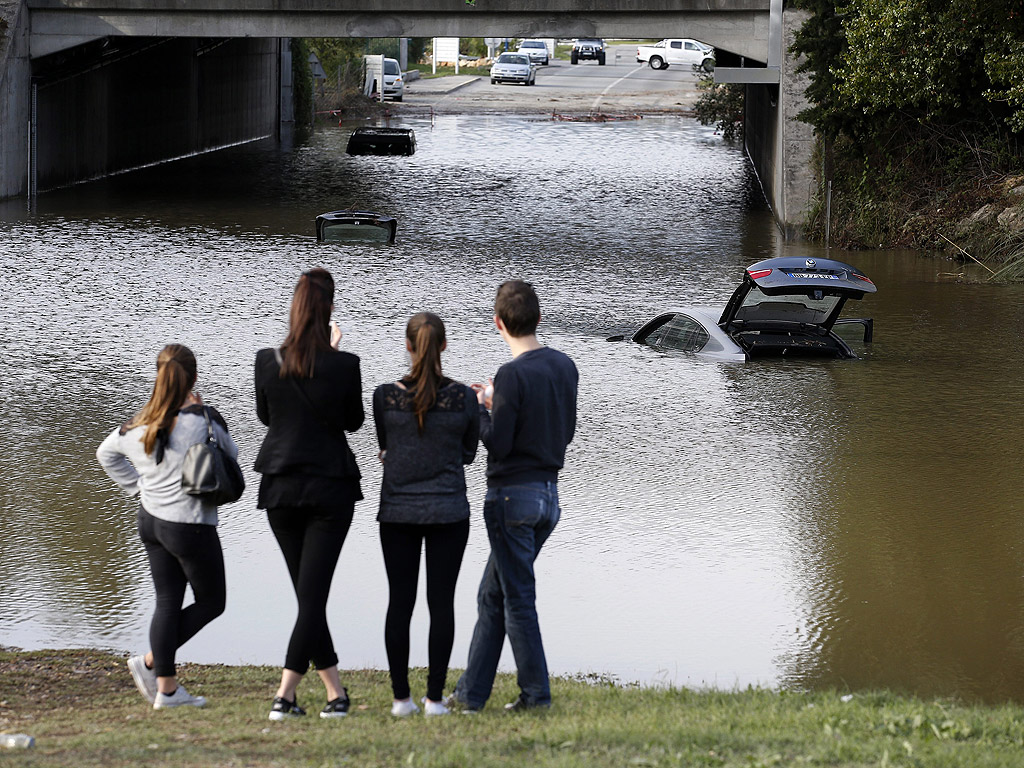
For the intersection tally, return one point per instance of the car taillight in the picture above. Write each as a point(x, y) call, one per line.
point(757, 274)
point(865, 278)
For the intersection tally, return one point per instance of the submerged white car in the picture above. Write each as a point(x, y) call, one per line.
point(784, 307)
point(513, 68)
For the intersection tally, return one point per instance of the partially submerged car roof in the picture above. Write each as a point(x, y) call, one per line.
point(795, 276)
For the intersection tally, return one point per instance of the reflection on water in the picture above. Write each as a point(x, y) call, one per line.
point(803, 523)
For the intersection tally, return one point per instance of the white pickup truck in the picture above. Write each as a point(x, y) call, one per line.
point(677, 51)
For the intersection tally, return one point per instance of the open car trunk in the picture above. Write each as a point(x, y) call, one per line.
point(782, 343)
point(788, 306)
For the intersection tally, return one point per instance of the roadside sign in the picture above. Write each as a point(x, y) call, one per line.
point(446, 49)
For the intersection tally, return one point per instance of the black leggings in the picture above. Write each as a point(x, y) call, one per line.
point(180, 554)
point(311, 539)
point(402, 543)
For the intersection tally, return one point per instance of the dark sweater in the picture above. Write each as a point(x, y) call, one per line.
point(532, 418)
point(305, 447)
point(424, 482)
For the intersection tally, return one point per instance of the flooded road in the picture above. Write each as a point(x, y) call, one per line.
point(795, 523)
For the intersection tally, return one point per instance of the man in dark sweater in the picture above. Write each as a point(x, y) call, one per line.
point(525, 425)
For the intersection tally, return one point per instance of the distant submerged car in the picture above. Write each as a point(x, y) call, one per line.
point(355, 226)
point(381, 141)
point(784, 307)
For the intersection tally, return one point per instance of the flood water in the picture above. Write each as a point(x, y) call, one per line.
point(784, 523)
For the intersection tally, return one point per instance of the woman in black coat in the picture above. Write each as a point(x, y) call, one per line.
point(309, 394)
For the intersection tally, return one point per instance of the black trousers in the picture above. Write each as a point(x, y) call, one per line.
point(310, 539)
point(181, 554)
point(445, 545)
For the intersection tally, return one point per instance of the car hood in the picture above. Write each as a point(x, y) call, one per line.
point(824, 283)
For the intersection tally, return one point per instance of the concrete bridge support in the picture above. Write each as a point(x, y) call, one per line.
point(779, 145)
point(15, 101)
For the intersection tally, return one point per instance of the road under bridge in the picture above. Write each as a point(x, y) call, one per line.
point(89, 87)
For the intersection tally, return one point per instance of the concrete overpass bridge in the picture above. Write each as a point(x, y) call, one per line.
point(226, 67)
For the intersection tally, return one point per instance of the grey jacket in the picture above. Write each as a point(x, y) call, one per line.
point(424, 481)
point(159, 485)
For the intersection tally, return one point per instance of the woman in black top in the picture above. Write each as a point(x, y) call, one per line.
point(309, 394)
point(428, 428)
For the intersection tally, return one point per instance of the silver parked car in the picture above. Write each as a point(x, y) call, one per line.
point(537, 50)
point(785, 307)
point(513, 68)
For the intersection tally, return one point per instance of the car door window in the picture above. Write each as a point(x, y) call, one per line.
point(691, 47)
point(680, 332)
point(676, 44)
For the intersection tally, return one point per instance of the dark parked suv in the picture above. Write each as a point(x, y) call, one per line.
point(588, 48)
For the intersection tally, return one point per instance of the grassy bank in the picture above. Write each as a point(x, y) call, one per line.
point(83, 710)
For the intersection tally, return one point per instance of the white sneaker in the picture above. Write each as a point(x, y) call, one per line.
point(179, 698)
point(144, 677)
point(433, 708)
point(404, 708)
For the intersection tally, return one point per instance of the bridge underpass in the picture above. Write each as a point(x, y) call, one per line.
point(100, 120)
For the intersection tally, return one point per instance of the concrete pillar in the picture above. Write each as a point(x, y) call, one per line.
point(15, 102)
point(798, 187)
point(286, 97)
point(779, 145)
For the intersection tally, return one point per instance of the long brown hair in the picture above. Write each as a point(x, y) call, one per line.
point(175, 377)
point(425, 333)
point(308, 329)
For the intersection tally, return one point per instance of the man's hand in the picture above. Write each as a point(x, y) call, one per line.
point(484, 393)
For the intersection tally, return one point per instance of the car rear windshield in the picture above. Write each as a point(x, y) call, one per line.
point(511, 58)
point(789, 307)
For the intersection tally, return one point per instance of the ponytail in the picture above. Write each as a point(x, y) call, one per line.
point(308, 329)
point(175, 377)
point(425, 334)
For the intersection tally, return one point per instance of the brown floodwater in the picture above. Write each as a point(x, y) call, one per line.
point(786, 523)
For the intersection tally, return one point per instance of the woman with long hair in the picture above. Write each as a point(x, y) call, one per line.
point(309, 394)
point(179, 531)
point(428, 427)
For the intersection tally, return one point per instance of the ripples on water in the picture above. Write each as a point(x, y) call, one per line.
point(803, 523)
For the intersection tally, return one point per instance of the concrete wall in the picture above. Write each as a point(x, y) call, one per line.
point(779, 145)
point(154, 100)
point(15, 79)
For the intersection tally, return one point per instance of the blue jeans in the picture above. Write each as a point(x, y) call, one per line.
point(519, 519)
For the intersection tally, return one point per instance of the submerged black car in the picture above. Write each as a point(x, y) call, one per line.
point(355, 226)
point(381, 141)
point(783, 307)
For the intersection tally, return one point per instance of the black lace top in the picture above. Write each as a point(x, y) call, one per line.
point(424, 481)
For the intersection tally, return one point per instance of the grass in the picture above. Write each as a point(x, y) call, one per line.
point(83, 710)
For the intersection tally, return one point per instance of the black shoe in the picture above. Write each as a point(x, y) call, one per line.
point(336, 707)
point(521, 705)
point(285, 710)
